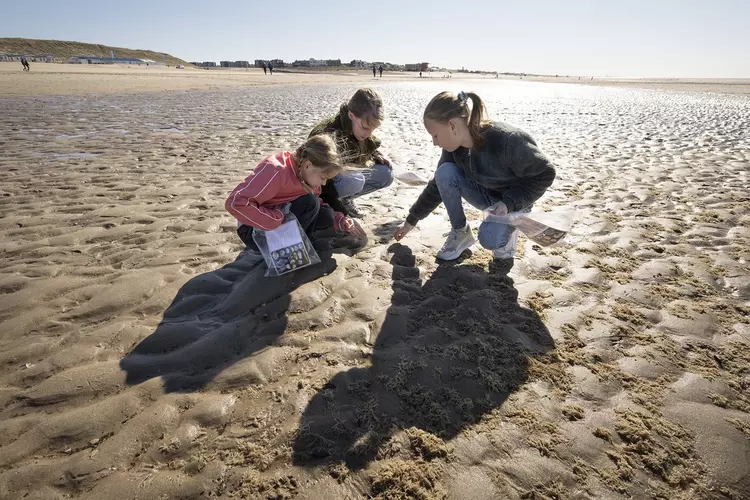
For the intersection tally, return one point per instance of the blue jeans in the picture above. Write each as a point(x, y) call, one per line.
point(454, 187)
point(359, 182)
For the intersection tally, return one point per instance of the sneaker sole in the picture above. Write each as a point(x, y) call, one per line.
point(459, 250)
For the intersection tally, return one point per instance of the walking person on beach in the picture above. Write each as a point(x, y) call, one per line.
point(293, 178)
point(374, 70)
point(380, 69)
point(25, 64)
point(270, 67)
point(265, 69)
point(353, 127)
point(488, 164)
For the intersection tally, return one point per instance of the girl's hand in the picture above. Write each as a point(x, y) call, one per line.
point(499, 209)
point(383, 161)
point(352, 226)
point(401, 230)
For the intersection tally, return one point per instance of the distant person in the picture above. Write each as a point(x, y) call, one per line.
point(420, 74)
point(270, 68)
point(293, 178)
point(380, 68)
point(265, 69)
point(488, 164)
point(374, 71)
point(353, 127)
point(25, 64)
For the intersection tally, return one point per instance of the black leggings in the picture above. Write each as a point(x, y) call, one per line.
point(312, 216)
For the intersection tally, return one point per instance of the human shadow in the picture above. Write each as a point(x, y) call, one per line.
point(449, 351)
point(223, 316)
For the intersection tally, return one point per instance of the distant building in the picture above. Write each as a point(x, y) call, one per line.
point(112, 60)
point(417, 67)
point(358, 63)
point(11, 57)
point(41, 58)
point(333, 62)
point(35, 58)
point(278, 63)
point(235, 64)
point(309, 63)
point(204, 64)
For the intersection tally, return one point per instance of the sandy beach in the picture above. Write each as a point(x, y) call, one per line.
point(83, 79)
point(143, 354)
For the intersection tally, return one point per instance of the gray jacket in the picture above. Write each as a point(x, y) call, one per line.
point(509, 165)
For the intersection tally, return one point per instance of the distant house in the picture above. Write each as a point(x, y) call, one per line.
point(47, 58)
point(34, 58)
point(11, 57)
point(278, 63)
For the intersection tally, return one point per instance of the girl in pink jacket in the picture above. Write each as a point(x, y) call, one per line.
point(290, 181)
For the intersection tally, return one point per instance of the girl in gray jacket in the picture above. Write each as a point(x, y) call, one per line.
point(488, 164)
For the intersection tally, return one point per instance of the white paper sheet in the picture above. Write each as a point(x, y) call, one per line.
point(286, 235)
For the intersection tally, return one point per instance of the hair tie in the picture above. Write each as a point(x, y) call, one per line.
point(462, 97)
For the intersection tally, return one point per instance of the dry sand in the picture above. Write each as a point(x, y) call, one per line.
point(143, 355)
point(78, 79)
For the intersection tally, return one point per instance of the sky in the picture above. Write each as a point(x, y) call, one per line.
point(627, 38)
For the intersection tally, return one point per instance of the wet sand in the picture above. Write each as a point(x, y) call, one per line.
point(143, 354)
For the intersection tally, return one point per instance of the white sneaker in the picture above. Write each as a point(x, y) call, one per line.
point(458, 241)
point(509, 250)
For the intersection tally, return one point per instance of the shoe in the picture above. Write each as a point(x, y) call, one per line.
point(351, 208)
point(509, 250)
point(458, 241)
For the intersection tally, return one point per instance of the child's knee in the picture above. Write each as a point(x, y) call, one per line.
point(384, 175)
point(493, 235)
point(349, 183)
point(305, 204)
point(326, 218)
point(447, 173)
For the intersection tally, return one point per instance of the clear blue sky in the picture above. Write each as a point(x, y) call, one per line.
point(668, 38)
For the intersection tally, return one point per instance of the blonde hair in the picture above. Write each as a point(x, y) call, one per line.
point(322, 153)
point(367, 105)
point(447, 106)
